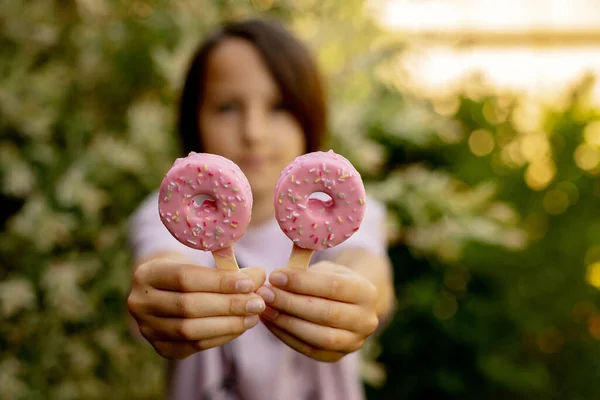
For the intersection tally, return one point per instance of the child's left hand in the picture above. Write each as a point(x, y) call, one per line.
point(325, 312)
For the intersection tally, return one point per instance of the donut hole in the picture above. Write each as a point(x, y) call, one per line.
point(320, 202)
point(204, 201)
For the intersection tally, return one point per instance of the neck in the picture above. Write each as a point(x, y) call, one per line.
point(262, 210)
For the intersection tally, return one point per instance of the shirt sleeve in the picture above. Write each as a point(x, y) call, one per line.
point(147, 234)
point(371, 236)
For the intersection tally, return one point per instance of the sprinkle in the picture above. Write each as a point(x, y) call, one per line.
point(316, 240)
point(347, 235)
point(314, 226)
point(279, 201)
point(299, 232)
point(330, 236)
point(328, 229)
point(192, 242)
point(317, 180)
point(350, 218)
point(324, 241)
point(355, 229)
point(292, 179)
point(312, 170)
point(238, 198)
point(361, 201)
point(339, 218)
point(306, 180)
point(302, 206)
point(232, 206)
point(236, 189)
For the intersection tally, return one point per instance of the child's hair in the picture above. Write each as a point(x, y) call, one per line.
point(291, 66)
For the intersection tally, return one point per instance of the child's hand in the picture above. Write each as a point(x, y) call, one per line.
point(324, 313)
point(182, 308)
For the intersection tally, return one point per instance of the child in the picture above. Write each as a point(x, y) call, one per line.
point(253, 94)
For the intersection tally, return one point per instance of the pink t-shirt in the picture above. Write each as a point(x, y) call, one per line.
point(256, 365)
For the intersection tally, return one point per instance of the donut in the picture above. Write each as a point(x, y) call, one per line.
point(313, 223)
point(216, 223)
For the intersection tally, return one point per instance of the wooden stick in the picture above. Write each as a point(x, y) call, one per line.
point(300, 257)
point(225, 259)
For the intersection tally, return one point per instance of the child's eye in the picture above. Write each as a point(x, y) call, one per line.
point(226, 107)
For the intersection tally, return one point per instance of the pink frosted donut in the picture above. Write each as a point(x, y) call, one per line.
point(312, 223)
point(214, 224)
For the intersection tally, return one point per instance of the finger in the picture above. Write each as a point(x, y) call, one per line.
point(161, 303)
point(258, 275)
point(181, 350)
point(301, 347)
point(177, 329)
point(320, 311)
point(174, 276)
point(350, 288)
point(321, 337)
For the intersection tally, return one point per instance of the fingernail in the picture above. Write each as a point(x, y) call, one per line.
point(250, 321)
point(270, 313)
point(244, 286)
point(278, 279)
point(267, 294)
point(255, 306)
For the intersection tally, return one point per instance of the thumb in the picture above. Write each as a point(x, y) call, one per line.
point(257, 274)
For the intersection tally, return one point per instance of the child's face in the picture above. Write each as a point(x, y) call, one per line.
point(242, 118)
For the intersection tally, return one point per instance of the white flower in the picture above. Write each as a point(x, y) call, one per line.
point(10, 385)
point(148, 122)
point(63, 293)
point(19, 179)
point(16, 295)
point(43, 227)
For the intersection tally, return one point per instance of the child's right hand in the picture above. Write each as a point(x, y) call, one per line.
point(184, 308)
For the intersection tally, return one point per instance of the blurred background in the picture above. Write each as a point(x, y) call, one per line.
point(476, 121)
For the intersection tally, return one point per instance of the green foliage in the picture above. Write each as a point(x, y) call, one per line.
point(492, 198)
point(493, 298)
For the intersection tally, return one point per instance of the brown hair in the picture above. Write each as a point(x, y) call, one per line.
point(291, 65)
